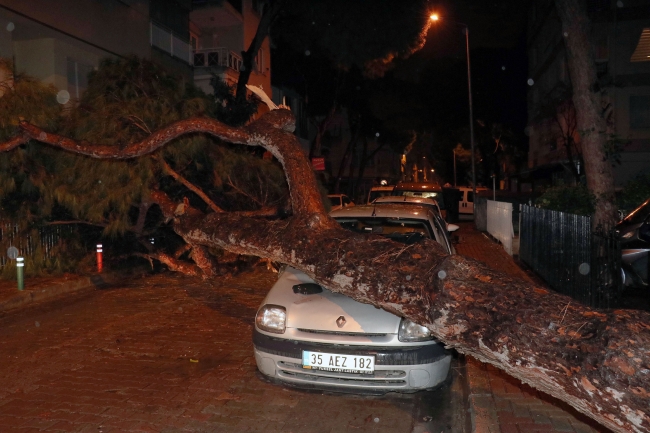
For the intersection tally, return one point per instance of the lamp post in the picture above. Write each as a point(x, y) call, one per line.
point(435, 17)
point(454, 168)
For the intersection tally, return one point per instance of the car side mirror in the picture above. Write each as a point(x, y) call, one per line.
point(452, 227)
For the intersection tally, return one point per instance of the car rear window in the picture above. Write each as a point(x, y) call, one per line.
point(336, 201)
point(407, 231)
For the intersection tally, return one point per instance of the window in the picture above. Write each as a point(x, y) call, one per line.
point(258, 6)
point(77, 77)
point(639, 111)
point(259, 61)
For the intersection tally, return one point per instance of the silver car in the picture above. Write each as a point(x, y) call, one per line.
point(308, 336)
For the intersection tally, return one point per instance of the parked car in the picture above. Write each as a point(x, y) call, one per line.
point(634, 234)
point(379, 191)
point(421, 190)
point(418, 201)
point(308, 336)
point(339, 201)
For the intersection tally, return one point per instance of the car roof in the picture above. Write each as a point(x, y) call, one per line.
point(418, 186)
point(478, 188)
point(387, 210)
point(405, 199)
point(383, 188)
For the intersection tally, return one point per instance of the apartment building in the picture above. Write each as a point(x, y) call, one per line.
point(621, 41)
point(219, 32)
point(61, 41)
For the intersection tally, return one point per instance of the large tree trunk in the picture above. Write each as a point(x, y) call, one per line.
point(589, 109)
point(596, 361)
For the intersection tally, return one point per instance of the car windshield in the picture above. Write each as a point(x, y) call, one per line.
point(421, 194)
point(407, 231)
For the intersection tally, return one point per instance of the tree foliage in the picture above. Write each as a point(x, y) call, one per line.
point(126, 100)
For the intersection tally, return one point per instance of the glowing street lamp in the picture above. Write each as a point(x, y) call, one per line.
point(435, 17)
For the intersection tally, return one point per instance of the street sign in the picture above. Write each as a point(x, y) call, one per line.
point(12, 253)
point(318, 164)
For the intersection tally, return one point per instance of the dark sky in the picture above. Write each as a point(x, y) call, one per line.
point(497, 55)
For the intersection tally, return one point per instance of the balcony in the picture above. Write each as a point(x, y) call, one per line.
point(170, 43)
point(220, 56)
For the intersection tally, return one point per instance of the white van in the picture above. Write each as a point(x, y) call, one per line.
point(466, 203)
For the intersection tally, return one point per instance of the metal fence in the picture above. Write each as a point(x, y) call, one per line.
point(45, 238)
point(571, 257)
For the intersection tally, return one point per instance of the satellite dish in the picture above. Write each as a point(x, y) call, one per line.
point(12, 253)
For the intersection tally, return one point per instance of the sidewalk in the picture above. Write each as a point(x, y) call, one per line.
point(500, 403)
point(46, 288)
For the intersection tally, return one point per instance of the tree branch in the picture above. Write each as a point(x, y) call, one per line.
point(170, 171)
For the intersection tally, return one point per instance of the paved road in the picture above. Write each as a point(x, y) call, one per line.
point(174, 354)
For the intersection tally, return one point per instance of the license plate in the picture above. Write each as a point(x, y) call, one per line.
point(337, 362)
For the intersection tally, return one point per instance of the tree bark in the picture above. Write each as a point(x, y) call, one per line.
point(589, 109)
point(598, 361)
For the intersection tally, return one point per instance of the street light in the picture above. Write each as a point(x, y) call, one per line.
point(435, 17)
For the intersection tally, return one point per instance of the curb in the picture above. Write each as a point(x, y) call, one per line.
point(27, 297)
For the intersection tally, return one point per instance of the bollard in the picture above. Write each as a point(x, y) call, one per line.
point(20, 272)
point(99, 258)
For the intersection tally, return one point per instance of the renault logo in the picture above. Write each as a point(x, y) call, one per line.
point(340, 322)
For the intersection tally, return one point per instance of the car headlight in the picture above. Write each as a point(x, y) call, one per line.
point(272, 318)
point(628, 235)
point(410, 332)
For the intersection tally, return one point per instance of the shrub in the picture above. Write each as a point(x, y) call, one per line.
point(572, 199)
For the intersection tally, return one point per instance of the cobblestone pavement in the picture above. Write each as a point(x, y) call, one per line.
point(500, 403)
point(172, 354)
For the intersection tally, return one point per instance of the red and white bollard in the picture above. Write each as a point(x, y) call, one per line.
point(99, 258)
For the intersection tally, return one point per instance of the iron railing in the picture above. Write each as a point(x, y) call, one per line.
point(572, 258)
point(219, 56)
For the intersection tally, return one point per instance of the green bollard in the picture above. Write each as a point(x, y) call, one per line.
point(20, 271)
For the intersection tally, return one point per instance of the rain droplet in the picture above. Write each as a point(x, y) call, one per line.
point(376, 134)
point(11, 26)
point(408, 278)
point(37, 324)
point(527, 131)
point(442, 275)
point(376, 420)
point(63, 97)
point(307, 52)
point(566, 34)
point(584, 268)
point(530, 81)
point(180, 309)
point(503, 68)
point(619, 3)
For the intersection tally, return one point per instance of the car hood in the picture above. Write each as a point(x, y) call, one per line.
point(319, 312)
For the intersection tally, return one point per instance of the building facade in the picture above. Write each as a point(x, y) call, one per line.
point(61, 42)
point(219, 32)
point(621, 41)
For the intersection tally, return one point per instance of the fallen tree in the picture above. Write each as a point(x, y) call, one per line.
point(597, 361)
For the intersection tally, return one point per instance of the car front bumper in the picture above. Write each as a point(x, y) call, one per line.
point(404, 369)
